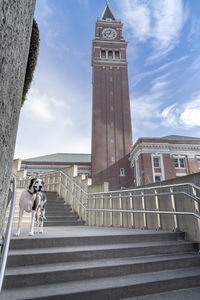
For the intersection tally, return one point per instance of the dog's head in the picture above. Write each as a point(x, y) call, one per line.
point(36, 185)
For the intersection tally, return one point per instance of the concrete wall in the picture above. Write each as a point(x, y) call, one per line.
point(16, 19)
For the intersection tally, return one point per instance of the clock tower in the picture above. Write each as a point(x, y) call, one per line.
point(111, 119)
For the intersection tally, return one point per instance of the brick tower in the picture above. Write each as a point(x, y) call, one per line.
point(111, 120)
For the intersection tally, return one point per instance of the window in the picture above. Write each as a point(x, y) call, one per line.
point(103, 54)
point(112, 124)
point(113, 158)
point(156, 162)
point(110, 54)
point(179, 163)
point(112, 141)
point(111, 78)
point(198, 161)
point(111, 93)
point(111, 107)
point(157, 178)
point(122, 172)
point(116, 54)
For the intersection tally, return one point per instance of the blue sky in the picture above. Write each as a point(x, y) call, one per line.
point(163, 67)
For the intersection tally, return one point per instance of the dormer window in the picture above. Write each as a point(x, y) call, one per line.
point(110, 55)
point(103, 54)
point(117, 55)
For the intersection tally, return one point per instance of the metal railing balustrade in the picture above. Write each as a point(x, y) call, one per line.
point(174, 207)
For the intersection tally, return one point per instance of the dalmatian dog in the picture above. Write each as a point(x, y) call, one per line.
point(33, 200)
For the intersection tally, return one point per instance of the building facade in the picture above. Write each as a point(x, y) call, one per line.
point(111, 119)
point(52, 162)
point(157, 159)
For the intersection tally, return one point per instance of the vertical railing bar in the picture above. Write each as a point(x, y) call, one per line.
point(131, 207)
point(111, 214)
point(174, 209)
point(7, 236)
point(157, 208)
point(144, 214)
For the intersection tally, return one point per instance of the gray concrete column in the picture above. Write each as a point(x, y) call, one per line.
point(16, 19)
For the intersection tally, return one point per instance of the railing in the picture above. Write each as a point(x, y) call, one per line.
point(170, 207)
point(6, 242)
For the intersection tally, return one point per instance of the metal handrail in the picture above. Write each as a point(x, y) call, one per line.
point(197, 199)
point(6, 244)
point(157, 212)
point(194, 198)
point(150, 188)
point(190, 213)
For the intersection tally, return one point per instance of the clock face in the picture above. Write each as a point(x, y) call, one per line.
point(109, 33)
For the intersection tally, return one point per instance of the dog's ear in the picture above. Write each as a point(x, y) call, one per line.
point(31, 183)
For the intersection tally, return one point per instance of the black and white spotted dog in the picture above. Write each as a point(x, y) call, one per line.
point(33, 200)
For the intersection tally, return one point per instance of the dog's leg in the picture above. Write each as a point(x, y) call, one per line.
point(32, 223)
point(19, 222)
point(42, 219)
point(41, 225)
point(37, 219)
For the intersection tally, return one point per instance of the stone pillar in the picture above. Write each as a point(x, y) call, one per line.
point(16, 19)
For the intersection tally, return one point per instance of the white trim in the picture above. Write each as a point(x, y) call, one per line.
point(180, 174)
point(160, 148)
point(137, 172)
point(161, 166)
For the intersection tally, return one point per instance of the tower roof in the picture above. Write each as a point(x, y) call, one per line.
point(107, 13)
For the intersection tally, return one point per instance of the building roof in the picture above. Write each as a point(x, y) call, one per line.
point(62, 157)
point(179, 137)
point(107, 13)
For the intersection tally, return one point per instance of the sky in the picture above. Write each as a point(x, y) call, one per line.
point(163, 67)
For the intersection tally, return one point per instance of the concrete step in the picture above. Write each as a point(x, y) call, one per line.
point(91, 236)
point(63, 223)
point(86, 235)
point(65, 272)
point(60, 214)
point(117, 287)
point(58, 210)
point(182, 294)
point(61, 218)
point(25, 257)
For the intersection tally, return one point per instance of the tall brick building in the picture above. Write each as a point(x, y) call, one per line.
point(157, 159)
point(111, 121)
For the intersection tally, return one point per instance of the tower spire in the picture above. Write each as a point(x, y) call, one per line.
point(107, 13)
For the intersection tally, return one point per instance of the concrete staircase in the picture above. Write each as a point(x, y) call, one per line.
point(83, 262)
point(58, 213)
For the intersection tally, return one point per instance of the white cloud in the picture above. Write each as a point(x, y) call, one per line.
point(142, 75)
point(158, 21)
point(42, 106)
point(159, 85)
point(185, 116)
point(145, 113)
point(190, 117)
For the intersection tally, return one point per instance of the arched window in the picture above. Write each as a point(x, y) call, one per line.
point(117, 55)
point(110, 55)
point(103, 54)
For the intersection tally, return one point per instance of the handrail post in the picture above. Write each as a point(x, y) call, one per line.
point(196, 207)
point(120, 214)
point(144, 214)
point(174, 209)
point(102, 214)
point(111, 214)
point(157, 208)
point(131, 207)
point(7, 236)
